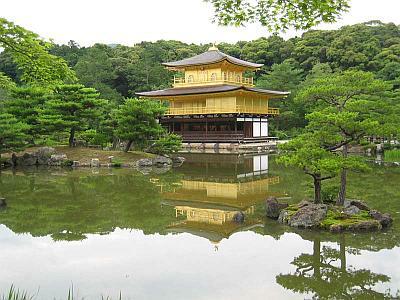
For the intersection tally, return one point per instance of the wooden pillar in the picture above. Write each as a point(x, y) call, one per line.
point(206, 126)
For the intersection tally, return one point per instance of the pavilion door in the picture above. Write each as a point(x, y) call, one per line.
point(248, 129)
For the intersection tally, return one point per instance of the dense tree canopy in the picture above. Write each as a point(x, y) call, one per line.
point(30, 54)
point(278, 15)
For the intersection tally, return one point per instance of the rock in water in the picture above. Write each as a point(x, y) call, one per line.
point(238, 217)
point(308, 216)
point(43, 155)
point(273, 207)
point(57, 159)
point(144, 162)
point(384, 219)
point(162, 161)
point(95, 163)
point(3, 202)
point(27, 159)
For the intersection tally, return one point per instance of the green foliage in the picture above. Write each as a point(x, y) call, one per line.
point(12, 133)
point(16, 294)
point(336, 217)
point(306, 153)
point(136, 121)
point(31, 55)
point(6, 82)
point(26, 103)
point(168, 143)
point(72, 108)
point(95, 69)
point(278, 15)
point(392, 155)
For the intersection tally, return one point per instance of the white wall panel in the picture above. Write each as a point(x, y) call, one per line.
point(256, 163)
point(256, 129)
point(264, 129)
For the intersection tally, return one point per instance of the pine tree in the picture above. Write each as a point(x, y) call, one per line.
point(137, 121)
point(72, 108)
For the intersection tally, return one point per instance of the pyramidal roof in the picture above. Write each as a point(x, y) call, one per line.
point(213, 55)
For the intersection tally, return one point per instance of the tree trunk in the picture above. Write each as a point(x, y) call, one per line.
point(317, 258)
point(71, 140)
point(317, 189)
point(128, 146)
point(115, 143)
point(343, 254)
point(343, 180)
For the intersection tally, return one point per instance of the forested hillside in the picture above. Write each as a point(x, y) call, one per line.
point(118, 71)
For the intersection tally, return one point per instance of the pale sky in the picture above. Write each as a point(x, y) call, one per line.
point(131, 21)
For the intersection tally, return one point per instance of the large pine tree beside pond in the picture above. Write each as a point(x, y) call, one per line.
point(72, 108)
point(137, 121)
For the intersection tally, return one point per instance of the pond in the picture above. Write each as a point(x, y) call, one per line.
point(171, 236)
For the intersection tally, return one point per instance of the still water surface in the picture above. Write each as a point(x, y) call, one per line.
point(171, 235)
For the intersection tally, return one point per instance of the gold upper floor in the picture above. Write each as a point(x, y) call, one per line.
point(214, 74)
point(236, 103)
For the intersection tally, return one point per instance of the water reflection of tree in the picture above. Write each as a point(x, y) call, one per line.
point(326, 275)
point(68, 205)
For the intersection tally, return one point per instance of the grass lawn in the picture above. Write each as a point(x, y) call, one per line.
point(84, 155)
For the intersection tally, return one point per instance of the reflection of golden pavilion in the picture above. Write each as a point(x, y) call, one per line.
point(214, 189)
point(207, 215)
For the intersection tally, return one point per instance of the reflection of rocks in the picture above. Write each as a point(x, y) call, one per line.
point(161, 170)
point(273, 207)
point(238, 217)
point(178, 161)
point(308, 216)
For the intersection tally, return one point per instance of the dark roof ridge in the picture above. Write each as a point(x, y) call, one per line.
point(207, 90)
point(209, 57)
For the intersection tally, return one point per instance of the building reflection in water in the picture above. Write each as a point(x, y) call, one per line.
point(216, 190)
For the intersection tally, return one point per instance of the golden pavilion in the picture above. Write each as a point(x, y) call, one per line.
point(214, 101)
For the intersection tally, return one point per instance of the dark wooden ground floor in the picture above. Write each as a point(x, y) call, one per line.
point(218, 129)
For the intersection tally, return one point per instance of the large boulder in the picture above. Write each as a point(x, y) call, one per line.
point(351, 210)
point(360, 204)
point(43, 155)
point(95, 163)
point(384, 219)
point(308, 216)
point(273, 207)
point(27, 159)
point(144, 162)
point(160, 161)
point(57, 160)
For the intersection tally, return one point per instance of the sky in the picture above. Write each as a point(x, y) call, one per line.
point(131, 21)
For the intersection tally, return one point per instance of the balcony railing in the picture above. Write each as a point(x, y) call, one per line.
point(238, 109)
point(181, 82)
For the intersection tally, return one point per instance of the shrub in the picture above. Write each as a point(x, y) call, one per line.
point(169, 143)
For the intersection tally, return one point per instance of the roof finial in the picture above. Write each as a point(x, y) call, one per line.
point(213, 47)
